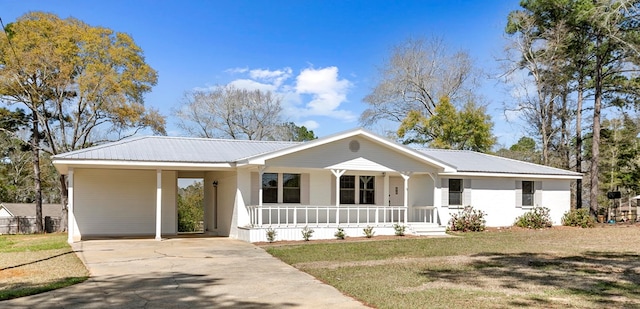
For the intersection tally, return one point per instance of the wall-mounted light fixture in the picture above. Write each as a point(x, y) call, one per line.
point(215, 183)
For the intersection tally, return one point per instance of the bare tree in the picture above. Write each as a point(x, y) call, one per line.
point(415, 77)
point(229, 112)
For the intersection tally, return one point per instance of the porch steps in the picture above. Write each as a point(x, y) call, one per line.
point(426, 229)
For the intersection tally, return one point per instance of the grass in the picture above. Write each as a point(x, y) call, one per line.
point(552, 268)
point(31, 264)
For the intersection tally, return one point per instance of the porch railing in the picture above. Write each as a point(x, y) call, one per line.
point(424, 214)
point(312, 215)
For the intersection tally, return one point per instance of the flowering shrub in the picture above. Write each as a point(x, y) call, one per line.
point(340, 233)
point(578, 217)
point(536, 218)
point(467, 220)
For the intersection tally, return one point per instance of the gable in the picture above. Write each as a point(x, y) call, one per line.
point(4, 213)
point(353, 153)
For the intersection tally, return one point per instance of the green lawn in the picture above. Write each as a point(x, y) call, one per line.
point(31, 264)
point(552, 268)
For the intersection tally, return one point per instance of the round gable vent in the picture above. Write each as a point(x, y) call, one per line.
point(354, 146)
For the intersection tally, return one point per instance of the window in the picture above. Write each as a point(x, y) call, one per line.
point(367, 190)
point(291, 188)
point(269, 188)
point(347, 189)
point(528, 191)
point(455, 192)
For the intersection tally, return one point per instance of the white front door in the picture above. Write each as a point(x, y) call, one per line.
point(396, 191)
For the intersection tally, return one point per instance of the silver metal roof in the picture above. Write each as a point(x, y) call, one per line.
point(469, 161)
point(176, 149)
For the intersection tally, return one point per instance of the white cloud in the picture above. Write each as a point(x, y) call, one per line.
point(252, 85)
point(313, 92)
point(327, 91)
point(310, 124)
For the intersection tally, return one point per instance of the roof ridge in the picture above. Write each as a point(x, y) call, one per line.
point(218, 139)
point(107, 144)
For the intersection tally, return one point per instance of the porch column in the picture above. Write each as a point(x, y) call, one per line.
point(71, 219)
point(337, 173)
point(385, 191)
point(405, 203)
point(259, 208)
point(158, 204)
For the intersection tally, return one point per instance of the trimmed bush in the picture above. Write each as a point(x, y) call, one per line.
point(271, 235)
point(536, 218)
point(340, 233)
point(578, 217)
point(306, 233)
point(467, 220)
point(368, 231)
point(399, 229)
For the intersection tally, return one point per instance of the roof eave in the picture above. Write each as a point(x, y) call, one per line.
point(63, 165)
point(511, 175)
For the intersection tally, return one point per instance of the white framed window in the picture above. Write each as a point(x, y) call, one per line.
point(347, 189)
point(269, 188)
point(367, 189)
point(455, 192)
point(291, 188)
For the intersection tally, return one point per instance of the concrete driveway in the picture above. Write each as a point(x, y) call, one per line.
point(186, 273)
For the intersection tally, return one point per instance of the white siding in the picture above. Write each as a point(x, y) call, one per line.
point(4, 213)
point(497, 198)
point(370, 156)
point(122, 202)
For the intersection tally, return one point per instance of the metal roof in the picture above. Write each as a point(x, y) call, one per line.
point(176, 149)
point(475, 162)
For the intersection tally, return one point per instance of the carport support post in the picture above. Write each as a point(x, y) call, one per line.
point(71, 219)
point(158, 204)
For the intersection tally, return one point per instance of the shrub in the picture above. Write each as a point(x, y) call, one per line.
point(368, 231)
point(578, 217)
point(306, 233)
point(399, 229)
point(340, 233)
point(536, 218)
point(467, 220)
point(271, 235)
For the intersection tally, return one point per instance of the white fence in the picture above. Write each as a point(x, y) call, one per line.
point(311, 215)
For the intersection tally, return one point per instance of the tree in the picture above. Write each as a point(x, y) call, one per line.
point(229, 112)
point(190, 207)
point(601, 42)
point(448, 128)
point(80, 84)
point(417, 74)
point(523, 150)
point(289, 131)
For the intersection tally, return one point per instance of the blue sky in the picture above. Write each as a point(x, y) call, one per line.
point(322, 56)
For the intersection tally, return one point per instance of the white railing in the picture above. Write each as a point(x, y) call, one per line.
point(311, 215)
point(425, 214)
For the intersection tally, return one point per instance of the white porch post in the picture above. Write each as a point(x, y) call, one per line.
point(158, 204)
point(385, 191)
point(71, 219)
point(337, 173)
point(259, 208)
point(405, 203)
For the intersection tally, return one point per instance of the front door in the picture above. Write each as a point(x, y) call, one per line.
point(396, 191)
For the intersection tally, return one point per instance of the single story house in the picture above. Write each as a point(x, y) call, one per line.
point(351, 180)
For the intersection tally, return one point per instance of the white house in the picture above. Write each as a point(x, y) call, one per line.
point(350, 180)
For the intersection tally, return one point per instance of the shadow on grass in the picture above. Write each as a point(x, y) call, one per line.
point(37, 261)
point(603, 279)
point(151, 290)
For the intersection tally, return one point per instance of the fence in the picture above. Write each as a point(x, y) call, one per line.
point(27, 225)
